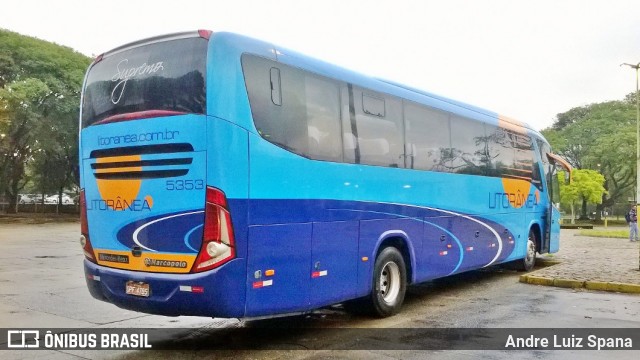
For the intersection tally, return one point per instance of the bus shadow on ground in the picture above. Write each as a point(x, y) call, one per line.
point(332, 327)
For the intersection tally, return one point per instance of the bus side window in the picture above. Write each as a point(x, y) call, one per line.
point(469, 145)
point(427, 133)
point(294, 109)
point(524, 158)
point(323, 118)
point(265, 112)
point(543, 149)
point(380, 133)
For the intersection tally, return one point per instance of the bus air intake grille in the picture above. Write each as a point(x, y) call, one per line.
point(126, 163)
point(142, 150)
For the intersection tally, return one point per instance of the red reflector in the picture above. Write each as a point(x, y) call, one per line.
point(261, 284)
point(205, 34)
point(317, 274)
point(197, 289)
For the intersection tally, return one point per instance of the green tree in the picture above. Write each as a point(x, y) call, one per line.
point(40, 85)
point(19, 114)
point(586, 186)
point(599, 137)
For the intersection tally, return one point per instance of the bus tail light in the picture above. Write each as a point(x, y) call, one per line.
point(84, 230)
point(217, 241)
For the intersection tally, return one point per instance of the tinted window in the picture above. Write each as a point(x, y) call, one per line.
point(373, 105)
point(543, 149)
point(323, 119)
point(427, 134)
point(379, 129)
point(501, 152)
point(511, 155)
point(523, 165)
point(469, 146)
point(348, 114)
point(307, 119)
point(167, 75)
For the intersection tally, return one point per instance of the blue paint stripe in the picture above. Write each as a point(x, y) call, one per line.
point(460, 247)
point(188, 235)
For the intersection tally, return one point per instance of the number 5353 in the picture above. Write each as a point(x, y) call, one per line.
point(184, 185)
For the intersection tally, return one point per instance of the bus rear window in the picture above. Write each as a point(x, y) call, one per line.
point(167, 76)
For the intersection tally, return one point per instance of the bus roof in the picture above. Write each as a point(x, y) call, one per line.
point(296, 59)
point(244, 44)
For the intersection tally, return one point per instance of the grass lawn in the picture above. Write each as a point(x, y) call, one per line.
point(618, 233)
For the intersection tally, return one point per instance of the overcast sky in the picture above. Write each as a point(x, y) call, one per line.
point(524, 59)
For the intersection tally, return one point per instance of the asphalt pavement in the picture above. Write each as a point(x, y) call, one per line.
point(604, 264)
point(42, 286)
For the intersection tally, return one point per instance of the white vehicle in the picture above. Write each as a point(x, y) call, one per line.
point(53, 199)
point(27, 198)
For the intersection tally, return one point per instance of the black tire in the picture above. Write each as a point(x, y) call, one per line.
point(529, 261)
point(389, 283)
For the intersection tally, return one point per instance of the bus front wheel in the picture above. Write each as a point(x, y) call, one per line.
point(529, 260)
point(389, 282)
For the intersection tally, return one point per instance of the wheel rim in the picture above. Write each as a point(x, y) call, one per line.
point(531, 251)
point(389, 284)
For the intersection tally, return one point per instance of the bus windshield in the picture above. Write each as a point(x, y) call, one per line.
point(168, 76)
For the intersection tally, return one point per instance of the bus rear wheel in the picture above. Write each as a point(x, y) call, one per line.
point(389, 283)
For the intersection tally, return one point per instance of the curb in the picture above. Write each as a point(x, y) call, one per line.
point(577, 284)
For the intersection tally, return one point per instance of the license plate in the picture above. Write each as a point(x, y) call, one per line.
point(137, 288)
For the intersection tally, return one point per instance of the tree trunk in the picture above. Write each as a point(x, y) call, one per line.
point(584, 215)
point(573, 214)
point(12, 195)
point(599, 210)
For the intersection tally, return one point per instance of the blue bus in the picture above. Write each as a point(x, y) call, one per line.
point(224, 176)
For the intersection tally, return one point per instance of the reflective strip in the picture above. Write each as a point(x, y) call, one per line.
point(192, 289)
point(316, 274)
point(260, 284)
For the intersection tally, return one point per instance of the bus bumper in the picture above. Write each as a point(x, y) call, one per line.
point(219, 293)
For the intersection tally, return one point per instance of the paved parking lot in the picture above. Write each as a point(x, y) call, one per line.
point(42, 286)
point(42, 283)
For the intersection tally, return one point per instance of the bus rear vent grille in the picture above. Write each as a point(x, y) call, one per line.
point(124, 163)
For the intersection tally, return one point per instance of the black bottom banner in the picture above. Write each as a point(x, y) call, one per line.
point(289, 338)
